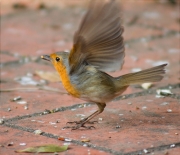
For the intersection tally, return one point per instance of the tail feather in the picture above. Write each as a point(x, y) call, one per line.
point(153, 74)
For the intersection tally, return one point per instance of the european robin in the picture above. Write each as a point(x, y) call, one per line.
point(97, 48)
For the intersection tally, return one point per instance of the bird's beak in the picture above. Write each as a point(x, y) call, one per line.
point(46, 57)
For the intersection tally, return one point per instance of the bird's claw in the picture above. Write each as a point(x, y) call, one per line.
point(83, 126)
point(79, 126)
point(76, 122)
point(80, 122)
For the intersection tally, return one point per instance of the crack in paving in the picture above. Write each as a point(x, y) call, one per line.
point(151, 91)
point(21, 60)
point(83, 105)
point(154, 149)
point(46, 112)
point(93, 146)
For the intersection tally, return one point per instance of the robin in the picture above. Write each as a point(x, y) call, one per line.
point(98, 48)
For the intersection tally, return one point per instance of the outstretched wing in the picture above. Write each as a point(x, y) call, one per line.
point(99, 40)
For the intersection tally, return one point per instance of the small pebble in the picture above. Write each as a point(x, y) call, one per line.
point(136, 70)
point(85, 145)
point(169, 110)
point(68, 140)
point(10, 144)
point(22, 144)
point(46, 112)
point(164, 92)
point(9, 109)
point(16, 98)
point(26, 107)
point(40, 121)
point(145, 151)
point(146, 85)
point(173, 145)
point(73, 109)
point(164, 103)
point(67, 143)
point(38, 132)
point(118, 126)
point(1, 121)
point(52, 123)
point(83, 136)
point(159, 96)
point(143, 108)
point(123, 97)
point(80, 115)
point(21, 102)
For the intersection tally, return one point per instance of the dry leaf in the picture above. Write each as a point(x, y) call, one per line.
point(85, 140)
point(44, 148)
point(50, 76)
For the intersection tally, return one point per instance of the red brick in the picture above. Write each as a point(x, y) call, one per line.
point(146, 120)
point(7, 58)
point(31, 140)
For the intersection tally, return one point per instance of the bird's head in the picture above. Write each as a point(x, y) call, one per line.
point(59, 60)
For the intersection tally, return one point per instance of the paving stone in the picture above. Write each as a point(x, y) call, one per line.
point(128, 127)
point(22, 140)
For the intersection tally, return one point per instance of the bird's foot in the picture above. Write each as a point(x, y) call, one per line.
point(75, 122)
point(81, 122)
point(79, 126)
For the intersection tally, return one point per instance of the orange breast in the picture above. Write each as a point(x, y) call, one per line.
point(66, 80)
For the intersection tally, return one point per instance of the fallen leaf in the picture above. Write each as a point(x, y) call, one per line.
point(85, 140)
point(50, 76)
point(45, 148)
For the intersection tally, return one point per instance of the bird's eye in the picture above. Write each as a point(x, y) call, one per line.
point(57, 59)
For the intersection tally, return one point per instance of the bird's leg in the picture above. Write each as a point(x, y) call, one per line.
point(81, 123)
point(83, 120)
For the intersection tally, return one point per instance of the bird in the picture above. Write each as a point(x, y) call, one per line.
point(98, 48)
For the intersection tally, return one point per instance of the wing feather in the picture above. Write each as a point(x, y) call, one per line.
point(99, 38)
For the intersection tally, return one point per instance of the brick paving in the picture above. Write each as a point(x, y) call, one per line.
point(137, 122)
